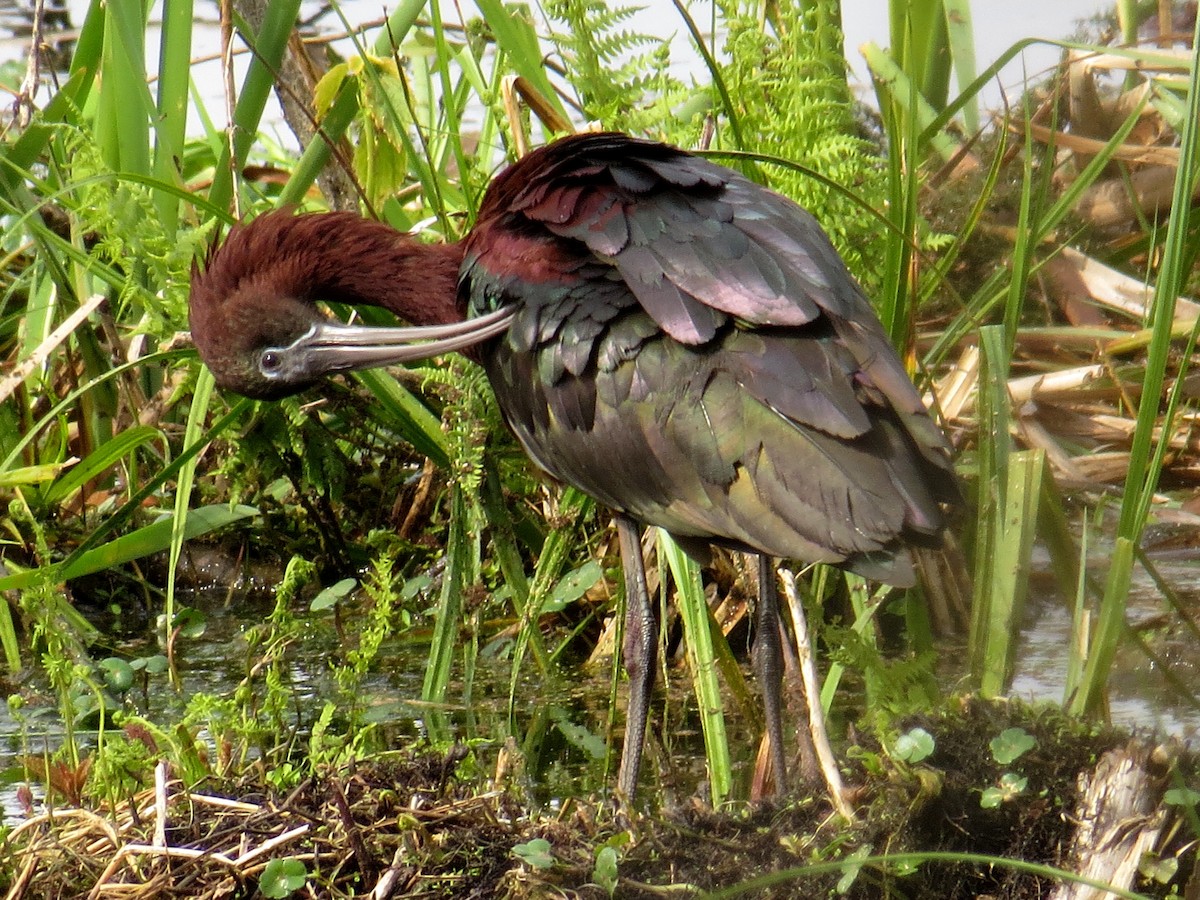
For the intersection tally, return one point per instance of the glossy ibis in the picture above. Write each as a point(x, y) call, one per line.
point(671, 338)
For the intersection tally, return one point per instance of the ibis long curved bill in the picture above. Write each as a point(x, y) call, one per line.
point(329, 347)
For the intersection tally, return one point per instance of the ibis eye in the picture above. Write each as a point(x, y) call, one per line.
point(270, 362)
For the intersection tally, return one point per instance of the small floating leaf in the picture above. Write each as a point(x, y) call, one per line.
point(190, 622)
point(332, 594)
point(572, 586)
point(118, 674)
point(414, 586)
point(155, 664)
point(1011, 785)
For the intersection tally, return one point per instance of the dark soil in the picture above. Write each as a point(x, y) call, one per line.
point(430, 825)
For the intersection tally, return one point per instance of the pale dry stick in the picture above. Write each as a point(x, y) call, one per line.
point(230, 93)
point(160, 804)
point(44, 818)
point(267, 846)
point(812, 698)
point(147, 850)
point(1156, 61)
point(386, 885)
point(1034, 387)
point(42, 352)
point(512, 112)
point(1112, 288)
point(1138, 154)
point(1062, 383)
point(224, 803)
point(23, 105)
point(956, 391)
point(1037, 435)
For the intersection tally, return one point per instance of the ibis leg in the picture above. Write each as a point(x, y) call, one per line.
point(640, 651)
point(768, 662)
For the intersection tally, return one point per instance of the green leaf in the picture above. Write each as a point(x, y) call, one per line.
point(587, 741)
point(151, 665)
point(535, 853)
point(32, 474)
point(332, 594)
point(605, 871)
point(699, 633)
point(282, 878)
point(851, 866)
point(414, 586)
point(118, 674)
point(1011, 785)
point(1183, 796)
point(100, 461)
point(154, 539)
point(1011, 744)
point(190, 622)
point(144, 541)
point(572, 586)
point(913, 746)
point(1161, 870)
point(327, 89)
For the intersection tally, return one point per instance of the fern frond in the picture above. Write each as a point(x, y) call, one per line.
point(621, 75)
point(789, 77)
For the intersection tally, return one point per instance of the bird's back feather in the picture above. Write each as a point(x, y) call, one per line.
point(690, 350)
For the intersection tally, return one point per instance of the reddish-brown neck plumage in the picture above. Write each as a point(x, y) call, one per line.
point(336, 258)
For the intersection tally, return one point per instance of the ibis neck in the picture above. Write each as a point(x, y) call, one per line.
point(424, 291)
point(415, 281)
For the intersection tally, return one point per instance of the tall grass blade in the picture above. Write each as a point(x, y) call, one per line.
point(462, 569)
point(1147, 453)
point(397, 27)
point(893, 84)
point(961, 36)
point(515, 36)
point(174, 75)
point(702, 660)
point(508, 554)
point(99, 461)
point(269, 46)
point(1080, 625)
point(994, 646)
point(124, 106)
point(573, 506)
point(406, 413)
point(192, 435)
point(1009, 488)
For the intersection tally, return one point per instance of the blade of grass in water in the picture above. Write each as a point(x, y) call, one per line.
point(462, 568)
point(1146, 453)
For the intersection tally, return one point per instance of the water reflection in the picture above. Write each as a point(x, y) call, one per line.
point(1143, 693)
